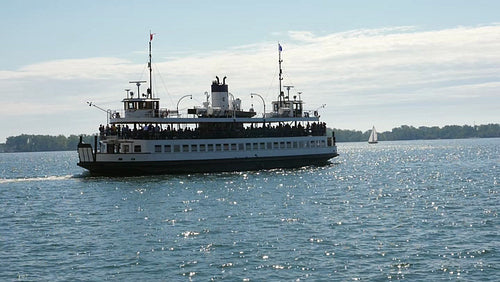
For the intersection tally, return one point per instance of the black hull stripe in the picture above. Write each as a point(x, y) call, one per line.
point(180, 167)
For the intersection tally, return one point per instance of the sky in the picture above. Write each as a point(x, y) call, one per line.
point(381, 63)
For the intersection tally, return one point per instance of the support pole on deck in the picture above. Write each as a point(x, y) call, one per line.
point(95, 148)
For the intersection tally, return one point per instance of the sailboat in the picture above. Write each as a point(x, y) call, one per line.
point(373, 137)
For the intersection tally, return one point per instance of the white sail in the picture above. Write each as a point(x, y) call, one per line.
point(373, 136)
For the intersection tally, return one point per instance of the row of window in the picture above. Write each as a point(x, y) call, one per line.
point(237, 146)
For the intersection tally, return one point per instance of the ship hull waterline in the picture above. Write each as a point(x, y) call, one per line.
point(126, 168)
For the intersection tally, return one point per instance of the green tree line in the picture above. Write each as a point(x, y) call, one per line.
point(406, 132)
point(35, 143)
point(38, 143)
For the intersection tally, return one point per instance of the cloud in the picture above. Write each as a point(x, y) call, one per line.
point(89, 68)
point(353, 72)
point(303, 36)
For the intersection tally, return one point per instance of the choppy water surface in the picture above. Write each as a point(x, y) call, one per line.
point(417, 210)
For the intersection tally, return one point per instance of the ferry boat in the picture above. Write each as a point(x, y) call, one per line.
point(217, 136)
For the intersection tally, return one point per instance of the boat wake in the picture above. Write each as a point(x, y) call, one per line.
point(35, 179)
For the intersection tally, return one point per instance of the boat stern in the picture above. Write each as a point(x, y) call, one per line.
point(85, 153)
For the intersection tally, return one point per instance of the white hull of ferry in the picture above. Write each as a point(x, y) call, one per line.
point(206, 155)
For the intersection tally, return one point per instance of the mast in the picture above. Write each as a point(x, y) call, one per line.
point(281, 96)
point(150, 92)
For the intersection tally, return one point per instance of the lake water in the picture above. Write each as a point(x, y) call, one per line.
point(415, 210)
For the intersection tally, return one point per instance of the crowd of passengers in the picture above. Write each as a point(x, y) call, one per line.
point(158, 132)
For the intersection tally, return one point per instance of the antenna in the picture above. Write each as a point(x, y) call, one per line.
point(288, 91)
point(150, 92)
point(138, 83)
point(280, 74)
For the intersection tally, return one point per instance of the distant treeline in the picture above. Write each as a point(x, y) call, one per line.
point(406, 132)
point(36, 143)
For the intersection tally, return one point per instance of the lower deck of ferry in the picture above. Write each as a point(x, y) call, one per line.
point(131, 168)
point(131, 157)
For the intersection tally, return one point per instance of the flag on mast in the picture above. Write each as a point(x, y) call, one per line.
point(279, 47)
point(151, 36)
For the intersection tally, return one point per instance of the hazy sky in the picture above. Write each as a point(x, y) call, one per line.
point(382, 63)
